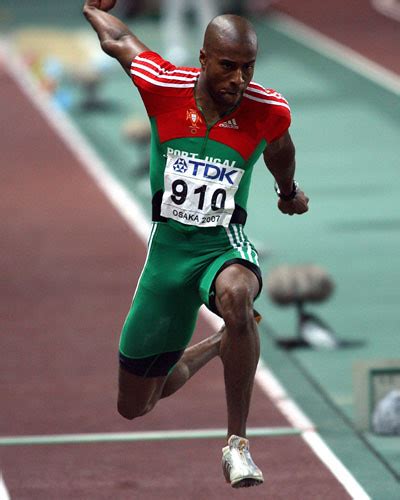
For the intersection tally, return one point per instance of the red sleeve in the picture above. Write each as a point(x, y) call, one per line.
point(159, 80)
point(276, 108)
point(278, 123)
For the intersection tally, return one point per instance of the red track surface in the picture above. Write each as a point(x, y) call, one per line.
point(69, 267)
point(353, 23)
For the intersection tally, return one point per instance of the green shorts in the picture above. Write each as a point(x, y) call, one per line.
point(177, 278)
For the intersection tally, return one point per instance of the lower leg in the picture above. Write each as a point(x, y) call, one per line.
point(194, 358)
point(240, 351)
point(236, 287)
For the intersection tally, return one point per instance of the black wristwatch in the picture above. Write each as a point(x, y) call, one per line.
point(287, 197)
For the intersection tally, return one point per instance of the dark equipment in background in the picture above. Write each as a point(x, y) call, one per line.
point(298, 285)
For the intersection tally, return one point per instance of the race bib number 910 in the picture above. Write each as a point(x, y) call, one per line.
point(199, 192)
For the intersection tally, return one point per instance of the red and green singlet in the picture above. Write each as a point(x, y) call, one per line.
point(200, 175)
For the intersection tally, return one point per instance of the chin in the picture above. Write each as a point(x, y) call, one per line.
point(230, 100)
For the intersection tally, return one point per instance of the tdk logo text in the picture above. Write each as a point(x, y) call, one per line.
point(205, 170)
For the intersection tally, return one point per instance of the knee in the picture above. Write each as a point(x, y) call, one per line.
point(236, 306)
point(136, 395)
point(126, 412)
point(131, 410)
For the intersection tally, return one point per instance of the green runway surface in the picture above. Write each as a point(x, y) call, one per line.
point(346, 130)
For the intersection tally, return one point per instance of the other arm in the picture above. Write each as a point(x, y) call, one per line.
point(115, 37)
point(279, 157)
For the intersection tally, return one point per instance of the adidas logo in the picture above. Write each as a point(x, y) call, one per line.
point(229, 124)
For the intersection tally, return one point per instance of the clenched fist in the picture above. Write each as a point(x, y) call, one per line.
point(104, 5)
point(299, 204)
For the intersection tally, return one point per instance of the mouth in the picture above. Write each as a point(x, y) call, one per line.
point(231, 93)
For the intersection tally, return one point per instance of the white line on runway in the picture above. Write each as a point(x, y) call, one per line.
point(4, 495)
point(337, 52)
point(389, 8)
point(162, 435)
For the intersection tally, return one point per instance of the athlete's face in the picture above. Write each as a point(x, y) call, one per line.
point(228, 70)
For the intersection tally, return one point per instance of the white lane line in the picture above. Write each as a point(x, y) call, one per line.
point(389, 8)
point(337, 52)
point(166, 435)
point(277, 393)
point(273, 388)
point(4, 495)
point(125, 204)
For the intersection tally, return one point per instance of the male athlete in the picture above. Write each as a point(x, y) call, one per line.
point(209, 127)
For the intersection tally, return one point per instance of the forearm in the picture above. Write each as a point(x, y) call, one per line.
point(279, 157)
point(280, 161)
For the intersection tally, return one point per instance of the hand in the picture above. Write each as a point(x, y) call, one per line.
point(299, 204)
point(104, 5)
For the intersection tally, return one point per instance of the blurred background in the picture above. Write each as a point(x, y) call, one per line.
point(338, 65)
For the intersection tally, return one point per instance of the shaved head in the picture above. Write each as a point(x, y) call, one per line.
point(231, 30)
point(227, 62)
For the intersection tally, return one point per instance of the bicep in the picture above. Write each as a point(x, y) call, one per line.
point(124, 50)
point(281, 146)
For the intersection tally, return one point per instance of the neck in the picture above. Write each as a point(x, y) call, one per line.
point(211, 110)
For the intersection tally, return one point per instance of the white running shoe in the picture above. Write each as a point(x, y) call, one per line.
point(238, 466)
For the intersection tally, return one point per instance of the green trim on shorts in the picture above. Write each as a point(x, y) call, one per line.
point(240, 248)
point(176, 280)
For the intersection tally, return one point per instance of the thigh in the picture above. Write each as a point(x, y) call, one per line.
point(164, 309)
point(159, 321)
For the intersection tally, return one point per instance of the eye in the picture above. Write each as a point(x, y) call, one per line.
point(249, 67)
point(226, 64)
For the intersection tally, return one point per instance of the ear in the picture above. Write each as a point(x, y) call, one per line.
point(202, 58)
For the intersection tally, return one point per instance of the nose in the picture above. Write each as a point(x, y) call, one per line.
point(238, 78)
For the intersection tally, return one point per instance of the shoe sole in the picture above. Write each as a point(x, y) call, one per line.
point(247, 482)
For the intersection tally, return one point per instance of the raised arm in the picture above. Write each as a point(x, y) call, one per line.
point(279, 157)
point(115, 37)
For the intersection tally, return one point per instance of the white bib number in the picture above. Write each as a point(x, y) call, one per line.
point(198, 192)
